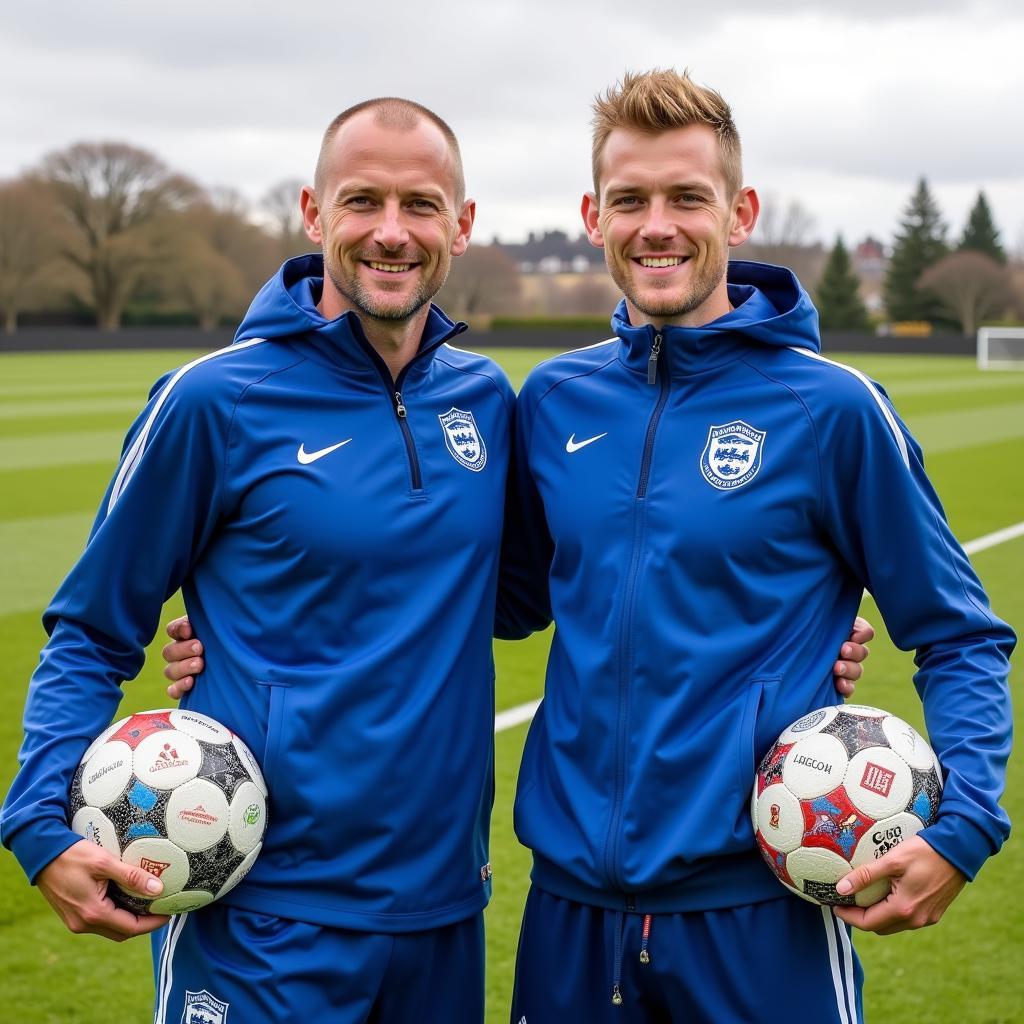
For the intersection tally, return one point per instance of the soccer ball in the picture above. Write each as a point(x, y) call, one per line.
point(841, 787)
point(178, 794)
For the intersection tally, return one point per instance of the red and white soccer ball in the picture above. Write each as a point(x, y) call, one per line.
point(841, 787)
point(178, 794)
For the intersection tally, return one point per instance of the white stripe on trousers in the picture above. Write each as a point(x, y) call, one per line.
point(166, 974)
point(840, 959)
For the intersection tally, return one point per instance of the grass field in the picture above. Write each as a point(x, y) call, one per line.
point(62, 418)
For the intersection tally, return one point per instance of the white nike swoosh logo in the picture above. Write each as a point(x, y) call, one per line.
point(572, 445)
point(307, 457)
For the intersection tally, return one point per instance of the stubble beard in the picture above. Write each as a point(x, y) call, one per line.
point(672, 304)
point(368, 305)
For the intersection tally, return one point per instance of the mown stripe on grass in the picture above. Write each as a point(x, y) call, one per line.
point(948, 431)
point(37, 555)
point(65, 449)
point(27, 493)
point(70, 407)
point(54, 390)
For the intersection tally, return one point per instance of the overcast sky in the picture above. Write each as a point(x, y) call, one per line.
point(842, 110)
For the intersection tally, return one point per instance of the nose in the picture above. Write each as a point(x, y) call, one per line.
point(391, 232)
point(658, 225)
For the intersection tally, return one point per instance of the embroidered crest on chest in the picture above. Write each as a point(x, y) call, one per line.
point(732, 455)
point(463, 439)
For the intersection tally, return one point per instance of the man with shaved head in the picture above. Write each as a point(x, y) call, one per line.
point(337, 544)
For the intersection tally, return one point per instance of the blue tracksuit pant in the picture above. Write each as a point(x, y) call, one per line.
point(764, 963)
point(224, 965)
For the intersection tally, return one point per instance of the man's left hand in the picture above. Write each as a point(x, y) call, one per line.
point(923, 883)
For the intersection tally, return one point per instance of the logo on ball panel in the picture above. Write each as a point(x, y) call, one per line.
point(732, 455)
point(204, 1008)
point(463, 439)
point(877, 779)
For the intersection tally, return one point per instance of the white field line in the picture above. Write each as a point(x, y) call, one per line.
point(512, 717)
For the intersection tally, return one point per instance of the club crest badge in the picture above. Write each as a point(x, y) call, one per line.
point(203, 1008)
point(463, 439)
point(732, 455)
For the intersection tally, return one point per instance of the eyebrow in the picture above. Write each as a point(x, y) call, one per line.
point(356, 187)
point(625, 187)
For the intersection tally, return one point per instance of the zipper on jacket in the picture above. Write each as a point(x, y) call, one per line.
point(652, 360)
point(410, 448)
point(639, 517)
point(652, 426)
point(394, 391)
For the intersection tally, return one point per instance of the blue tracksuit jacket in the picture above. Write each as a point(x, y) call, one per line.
point(710, 503)
point(337, 546)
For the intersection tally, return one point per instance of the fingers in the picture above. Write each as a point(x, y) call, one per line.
point(851, 651)
point(886, 917)
point(134, 879)
point(181, 650)
point(863, 632)
point(178, 690)
point(180, 629)
point(844, 687)
point(75, 884)
point(848, 670)
point(113, 922)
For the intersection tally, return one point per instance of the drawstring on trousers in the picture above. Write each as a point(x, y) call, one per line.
point(620, 919)
point(645, 956)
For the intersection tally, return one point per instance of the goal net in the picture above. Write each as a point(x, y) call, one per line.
point(1001, 348)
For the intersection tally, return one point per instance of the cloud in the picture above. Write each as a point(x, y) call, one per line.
point(872, 92)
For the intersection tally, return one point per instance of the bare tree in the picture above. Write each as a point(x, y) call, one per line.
point(783, 225)
point(281, 205)
point(784, 236)
point(219, 259)
point(483, 280)
point(28, 246)
point(117, 200)
point(972, 286)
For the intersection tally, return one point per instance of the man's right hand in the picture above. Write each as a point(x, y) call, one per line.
point(75, 885)
point(183, 657)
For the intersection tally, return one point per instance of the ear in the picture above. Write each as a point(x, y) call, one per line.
point(745, 208)
point(465, 227)
point(590, 210)
point(310, 215)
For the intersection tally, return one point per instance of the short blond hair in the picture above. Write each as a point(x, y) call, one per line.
point(658, 101)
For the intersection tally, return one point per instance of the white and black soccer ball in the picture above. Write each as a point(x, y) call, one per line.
point(178, 794)
point(841, 787)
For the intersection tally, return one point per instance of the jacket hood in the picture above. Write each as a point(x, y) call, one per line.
point(287, 306)
point(770, 307)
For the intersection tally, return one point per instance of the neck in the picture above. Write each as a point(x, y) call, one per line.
point(395, 341)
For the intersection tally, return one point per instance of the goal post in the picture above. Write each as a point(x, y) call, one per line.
point(1001, 348)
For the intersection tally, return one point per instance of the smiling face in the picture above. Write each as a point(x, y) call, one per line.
point(666, 219)
point(386, 217)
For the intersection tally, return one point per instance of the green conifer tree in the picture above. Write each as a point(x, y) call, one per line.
point(920, 244)
point(839, 303)
point(980, 232)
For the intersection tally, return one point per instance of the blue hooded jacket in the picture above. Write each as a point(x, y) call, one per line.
point(336, 537)
point(708, 505)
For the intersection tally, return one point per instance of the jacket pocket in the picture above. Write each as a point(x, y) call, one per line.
point(276, 697)
point(755, 733)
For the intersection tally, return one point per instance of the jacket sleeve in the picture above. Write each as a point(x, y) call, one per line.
point(156, 516)
point(886, 520)
point(524, 605)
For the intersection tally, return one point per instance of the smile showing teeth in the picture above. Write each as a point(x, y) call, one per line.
point(660, 261)
point(389, 268)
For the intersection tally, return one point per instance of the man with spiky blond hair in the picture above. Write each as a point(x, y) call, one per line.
point(707, 498)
